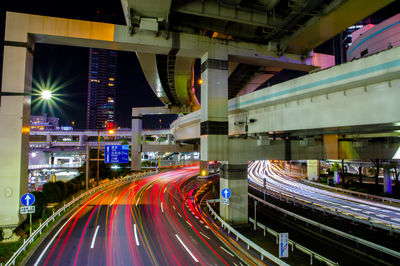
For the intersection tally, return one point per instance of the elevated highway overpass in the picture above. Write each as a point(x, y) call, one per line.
point(349, 111)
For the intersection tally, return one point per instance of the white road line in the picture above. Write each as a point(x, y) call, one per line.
point(113, 201)
point(227, 251)
point(183, 244)
point(162, 210)
point(54, 237)
point(179, 214)
point(188, 223)
point(136, 237)
point(165, 189)
point(173, 207)
point(204, 235)
point(94, 237)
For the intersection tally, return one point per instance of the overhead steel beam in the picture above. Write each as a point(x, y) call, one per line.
point(216, 10)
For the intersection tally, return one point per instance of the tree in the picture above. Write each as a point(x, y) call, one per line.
point(376, 175)
point(394, 167)
point(40, 203)
point(51, 192)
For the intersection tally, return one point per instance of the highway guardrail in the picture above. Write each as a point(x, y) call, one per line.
point(43, 225)
point(293, 244)
point(248, 242)
point(358, 240)
point(349, 216)
point(350, 192)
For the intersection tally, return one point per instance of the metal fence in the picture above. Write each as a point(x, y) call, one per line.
point(263, 253)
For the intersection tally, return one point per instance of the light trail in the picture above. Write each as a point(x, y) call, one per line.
point(94, 237)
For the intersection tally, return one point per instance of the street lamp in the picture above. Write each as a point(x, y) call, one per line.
point(111, 132)
point(45, 94)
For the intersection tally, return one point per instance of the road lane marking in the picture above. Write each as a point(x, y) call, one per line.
point(227, 251)
point(136, 237)
point(137, 201)
point(165, 189)
point(183, 244)
point(188, 223)
point(94, 237)
point(113, 201)
point(54, 237)
point(205, 235)
point(173, 207)
point(162, 210)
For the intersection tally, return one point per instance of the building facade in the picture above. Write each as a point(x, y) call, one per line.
point(101, 88)
point(43, 122)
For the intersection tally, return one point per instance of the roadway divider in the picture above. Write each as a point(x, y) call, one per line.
point(349, 216)
point(357, 240)
point(293, 244)
point(46, 223)
point(353, 193)
point(263, 253)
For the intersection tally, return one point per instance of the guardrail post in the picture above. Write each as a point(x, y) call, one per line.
point(311, 258)
point(262, 257)
point(264, 231)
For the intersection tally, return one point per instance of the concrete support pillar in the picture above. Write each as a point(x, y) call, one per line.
point(214, 105)
point(48, 140)
point(387, 182)
point(14, 120)
point(192, 157)
point(234, 177)
point(176, 158)
point(331, 145)
point(81, 140)
point(313, 169)
point(169, 138)
point(136, 144)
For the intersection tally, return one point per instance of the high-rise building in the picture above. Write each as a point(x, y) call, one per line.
point(101, 88)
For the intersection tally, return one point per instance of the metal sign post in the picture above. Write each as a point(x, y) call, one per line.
point(265, 186)
point(27, 200)
point(255, 215)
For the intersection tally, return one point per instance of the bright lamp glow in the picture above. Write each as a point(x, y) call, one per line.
point(45, 94)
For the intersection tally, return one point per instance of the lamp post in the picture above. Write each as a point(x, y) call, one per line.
point(111, 132)
point(44, 94)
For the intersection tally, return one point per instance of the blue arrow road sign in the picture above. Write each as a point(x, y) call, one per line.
point(226, 193)
point(27, 199)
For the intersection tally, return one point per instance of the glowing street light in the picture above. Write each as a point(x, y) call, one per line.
point(45, 94)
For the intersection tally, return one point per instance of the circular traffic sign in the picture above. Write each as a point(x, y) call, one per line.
point(27, 199)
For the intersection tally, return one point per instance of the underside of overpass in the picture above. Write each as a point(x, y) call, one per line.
point(286, 27)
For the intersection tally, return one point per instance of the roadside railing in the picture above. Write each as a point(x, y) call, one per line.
point(46, 223)
point(263, 253)
point(349, 216)
point(294, 245)
point(354, 193)
point(364, 242)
